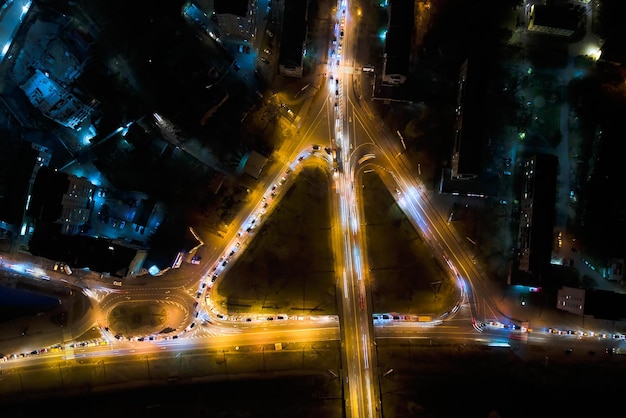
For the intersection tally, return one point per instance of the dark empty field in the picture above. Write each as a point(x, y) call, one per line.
point(288, 267)
point(405, 276)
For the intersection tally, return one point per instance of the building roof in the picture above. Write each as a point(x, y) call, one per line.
point(294, 33)
point(556, 20)
point(254, 164)
point(18, 161)
point(398, 38)
point(471, 126)
point(233, 7)
point(537, 208)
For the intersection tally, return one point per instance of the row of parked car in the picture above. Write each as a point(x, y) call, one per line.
point(580, 333)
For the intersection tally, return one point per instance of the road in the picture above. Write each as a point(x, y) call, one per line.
point(358, 144)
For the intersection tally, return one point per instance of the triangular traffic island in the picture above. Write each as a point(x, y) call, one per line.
point(287, 268)
point(402, 265)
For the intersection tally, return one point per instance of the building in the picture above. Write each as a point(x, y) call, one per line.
point(56, 102)
point(553, 20)
point(21, 163)
point(254, 164)
point(61, 215)
point(398, 41)
point(571, 299)
point(469, 124)
point(62, 199)
point(466, 174)
point(604, 304)
point(293, 39)
point(537, 214)
point(235, 18)
point(395, 67)
point(47, 72)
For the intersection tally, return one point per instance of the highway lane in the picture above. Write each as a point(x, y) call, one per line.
point(361, 396)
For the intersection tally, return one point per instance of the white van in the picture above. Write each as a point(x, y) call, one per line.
point(67, 269)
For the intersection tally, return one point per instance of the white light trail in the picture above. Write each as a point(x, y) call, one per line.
point(365, 352)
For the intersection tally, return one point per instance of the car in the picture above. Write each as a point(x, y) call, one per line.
point(265, 60)
point(236, 66)
point(65, 269)
point(568, 350)
point(117, 283)
point(195, 260)
point(269, 33)
point(316, 147)
point(267, 51)
point(122, 224)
